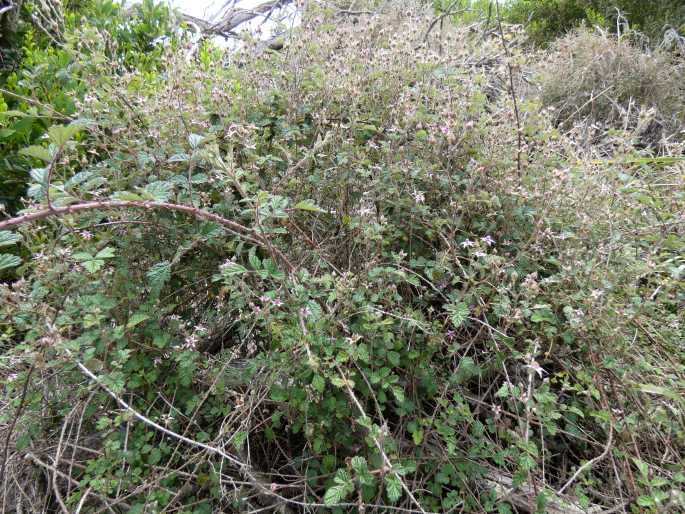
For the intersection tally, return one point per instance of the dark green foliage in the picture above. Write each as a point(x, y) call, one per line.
point(54, 78)
point(549, 19)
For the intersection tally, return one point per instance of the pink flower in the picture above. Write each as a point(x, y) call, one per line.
point(488, 240)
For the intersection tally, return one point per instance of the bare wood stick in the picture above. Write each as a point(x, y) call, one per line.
point(589, 463)
point(512, 90)
point(386, 459)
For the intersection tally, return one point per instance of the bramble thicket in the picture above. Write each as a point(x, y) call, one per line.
point(416, 257)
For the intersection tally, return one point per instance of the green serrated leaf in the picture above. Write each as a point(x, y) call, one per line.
point(393, 487)
point(37, 152)
point(159, 191)
point(195, 140)
point(127, 196)
point(645, 501)
point(61, 201)
point(458, 312)
point(39, 175)
point(8, 238)
point(342, 477)
point(319, 383)
point(83, 256)
point(105, 253)
point(14, 113)
point(642, 467)
point(93, 265)
point(60, 134)
point(334, 495)
point(9, 261)
point(239, 439)
point(137, 319)
point(359, 464)
point(254, 260)
point(646, 388)
point(233, 268)
point(159, 274)
point(179, 157)
point(308, 205)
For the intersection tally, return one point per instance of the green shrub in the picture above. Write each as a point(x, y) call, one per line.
point(320, 281)
point(55, 77)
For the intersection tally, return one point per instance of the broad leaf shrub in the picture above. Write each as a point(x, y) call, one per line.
point(42, 87)
point(316, 280)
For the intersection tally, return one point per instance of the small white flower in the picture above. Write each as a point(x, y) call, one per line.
point(467, 243)
point(488, 240)
point(419, 196)
point(536, 367)
point(191, 342)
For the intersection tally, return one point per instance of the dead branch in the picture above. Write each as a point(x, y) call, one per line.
point(235, 17)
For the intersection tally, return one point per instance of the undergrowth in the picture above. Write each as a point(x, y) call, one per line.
point(331, 279)
point(610, 85)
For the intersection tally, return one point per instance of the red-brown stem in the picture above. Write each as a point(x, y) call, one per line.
point(232, 226)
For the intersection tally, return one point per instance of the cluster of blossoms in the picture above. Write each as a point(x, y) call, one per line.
point(268, 301)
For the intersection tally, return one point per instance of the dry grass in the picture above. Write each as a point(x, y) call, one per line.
point(606, 82)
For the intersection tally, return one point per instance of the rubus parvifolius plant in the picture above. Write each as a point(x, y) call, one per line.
point(316, 281)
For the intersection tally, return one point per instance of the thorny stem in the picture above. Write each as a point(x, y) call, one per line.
point(512, 90)
point(386, 459)
point(22, 401)
point(231, 226)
